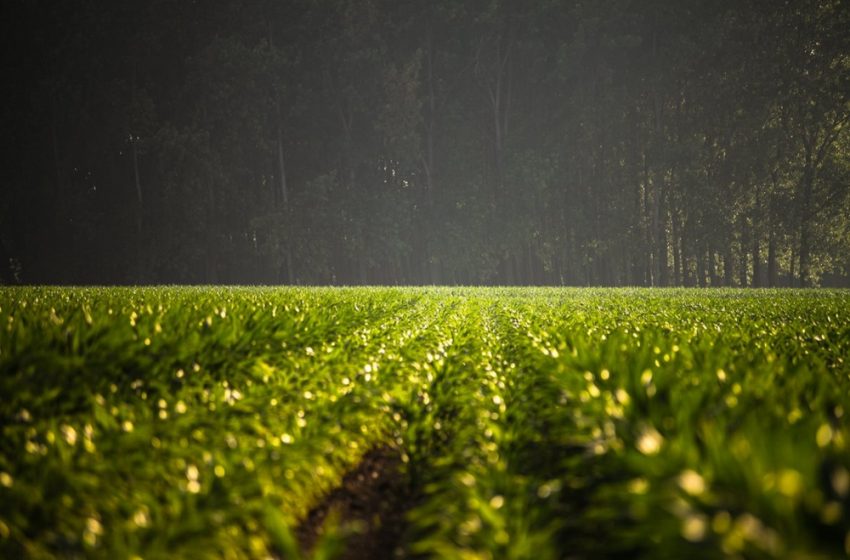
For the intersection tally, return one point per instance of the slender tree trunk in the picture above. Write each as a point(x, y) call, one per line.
point(756, 261)
point(431, 118)
point(757, 233)
point(657, 180)
point(792, 268)
point(661, 237)
point(140, 208)
point(677, 250)
point(687, 279)
point(727, 237)
point(771, 257)
point(285, 209)
point(712, 267)
point(211, 225)
point(771, 233)
point(499, 93)
point(805, 228)
point(728, 268)
point(743, 268)
point(701, 262)
point(649, 228)
point(284, 191)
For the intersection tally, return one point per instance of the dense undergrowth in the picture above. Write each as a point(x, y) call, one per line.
point(532, 423)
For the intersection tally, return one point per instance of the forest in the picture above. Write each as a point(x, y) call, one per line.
point(482, 142)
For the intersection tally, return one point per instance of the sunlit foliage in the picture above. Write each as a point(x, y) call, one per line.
point(532, 423)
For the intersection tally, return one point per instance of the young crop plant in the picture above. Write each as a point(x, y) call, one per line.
point(505, 422)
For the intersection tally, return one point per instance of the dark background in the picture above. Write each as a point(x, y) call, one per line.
point(678, 142)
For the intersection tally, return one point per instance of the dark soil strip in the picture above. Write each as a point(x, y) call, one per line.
point(374, 496)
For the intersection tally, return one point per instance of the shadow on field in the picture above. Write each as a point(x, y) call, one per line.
point(369, 508)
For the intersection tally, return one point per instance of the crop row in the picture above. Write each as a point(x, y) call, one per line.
point(532, 423)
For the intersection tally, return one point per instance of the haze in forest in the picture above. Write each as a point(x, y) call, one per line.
point(556, 142)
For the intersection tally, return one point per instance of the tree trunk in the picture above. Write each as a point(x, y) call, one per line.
point(649, 210)
point(677, 252)
point(211, 272)
point(757, 279)
point(756, 261)
point(771, 258)
point(805, 230)
point(728, 268)
point(284, 191)
point(771, 233)
point(792, 269)
point(687, 279)
point(661, 238)
point(701, 262)
point(430, 122)
point(284, 197)
point(712, 267)
point(744, 265)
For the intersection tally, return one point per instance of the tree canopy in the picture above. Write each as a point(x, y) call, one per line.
point(654, 143)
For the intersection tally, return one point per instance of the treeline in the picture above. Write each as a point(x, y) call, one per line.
point(696, 142)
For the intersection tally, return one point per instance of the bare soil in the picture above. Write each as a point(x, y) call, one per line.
point(371, 503)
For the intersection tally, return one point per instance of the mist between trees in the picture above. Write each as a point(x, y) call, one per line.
point(688, 142)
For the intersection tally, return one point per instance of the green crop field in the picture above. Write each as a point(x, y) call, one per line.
point(519, 423)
